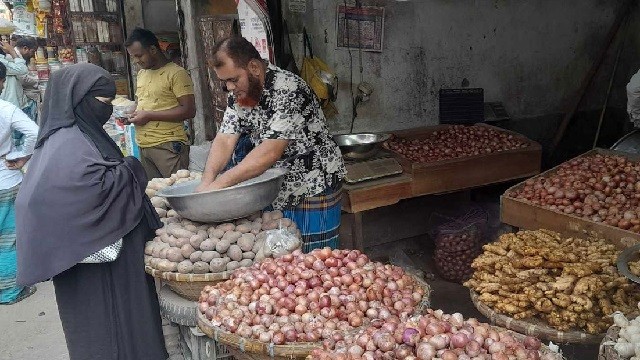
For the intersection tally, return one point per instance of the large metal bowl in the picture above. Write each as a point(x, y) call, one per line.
point(226, 204)
point(360, 146)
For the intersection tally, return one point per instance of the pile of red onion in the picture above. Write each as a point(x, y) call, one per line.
point(456, 141)
point(310, 297)
point(599, 188)
point(433, 335)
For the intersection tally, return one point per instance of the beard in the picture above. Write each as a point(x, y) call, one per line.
point(254, 93)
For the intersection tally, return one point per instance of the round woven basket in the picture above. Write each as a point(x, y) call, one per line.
point(188, 286)
point(242, 348)
point(534, 327)
point(607, 351)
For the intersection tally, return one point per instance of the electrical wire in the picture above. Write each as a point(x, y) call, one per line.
point(353, 105)
point(359, 6)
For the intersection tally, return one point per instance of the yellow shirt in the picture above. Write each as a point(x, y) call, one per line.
point(159, 90)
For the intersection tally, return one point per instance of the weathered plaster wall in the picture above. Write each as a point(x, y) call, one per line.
point(133, 15)
point(531, 55)
point(160, 15)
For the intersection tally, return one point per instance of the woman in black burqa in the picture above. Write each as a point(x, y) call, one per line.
point(80, 195)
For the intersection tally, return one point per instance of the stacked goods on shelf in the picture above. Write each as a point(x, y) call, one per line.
point(299, 298)
point(557, 284)
point(434, 335)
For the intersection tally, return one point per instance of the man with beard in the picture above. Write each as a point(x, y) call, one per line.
point(282, 117)
point(165, 99)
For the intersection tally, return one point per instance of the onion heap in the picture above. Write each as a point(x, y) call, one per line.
point(456, 141)
point(599, 188)
point(309, 297)
point(434, 335)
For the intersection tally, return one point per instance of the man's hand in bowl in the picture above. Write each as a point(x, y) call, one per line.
point(204, 187)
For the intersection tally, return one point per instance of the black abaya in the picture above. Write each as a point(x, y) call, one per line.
point(110, 311)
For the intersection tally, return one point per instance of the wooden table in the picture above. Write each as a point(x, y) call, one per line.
point(435, 178)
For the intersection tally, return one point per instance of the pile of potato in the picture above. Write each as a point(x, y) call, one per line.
point(157, 184)
point(188, 247)
point(569, 283)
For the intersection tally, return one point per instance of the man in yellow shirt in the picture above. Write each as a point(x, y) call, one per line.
point(165, 99)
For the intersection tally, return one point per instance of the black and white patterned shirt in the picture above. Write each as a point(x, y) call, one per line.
point(289, 110)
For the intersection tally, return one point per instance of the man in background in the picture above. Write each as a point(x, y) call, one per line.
point(16, 67)
point(633, 99)
point(26, 48)
point(165, 99)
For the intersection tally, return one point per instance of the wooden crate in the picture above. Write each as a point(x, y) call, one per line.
point(531, 217)
point(469, 172)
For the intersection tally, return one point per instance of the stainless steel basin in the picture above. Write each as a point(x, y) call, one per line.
point(360, 146)
point(226, 204)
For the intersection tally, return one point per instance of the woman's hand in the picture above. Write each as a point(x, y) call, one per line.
point(17, 164)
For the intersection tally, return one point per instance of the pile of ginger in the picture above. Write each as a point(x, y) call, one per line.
point(568, 283)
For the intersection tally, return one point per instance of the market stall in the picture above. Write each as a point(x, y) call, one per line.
point(435, 160)
point(69, 32)
point(188, 255)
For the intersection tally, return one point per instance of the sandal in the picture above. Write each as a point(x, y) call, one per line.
point(25, 293)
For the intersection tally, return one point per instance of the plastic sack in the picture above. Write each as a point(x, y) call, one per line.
point(281, 241)
point(458, 242)
point(123, 108)
point(320, 78)
point(461, 231)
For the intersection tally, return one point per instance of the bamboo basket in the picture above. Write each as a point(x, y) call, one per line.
point(188, 286)
point(606, 351)
point(242, 348)
point(534, 327)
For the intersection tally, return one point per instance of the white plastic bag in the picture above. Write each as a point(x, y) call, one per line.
point(281, 241)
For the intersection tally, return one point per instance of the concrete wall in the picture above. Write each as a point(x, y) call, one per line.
point(531, 55)
point(160, 15)
point(133, 15)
